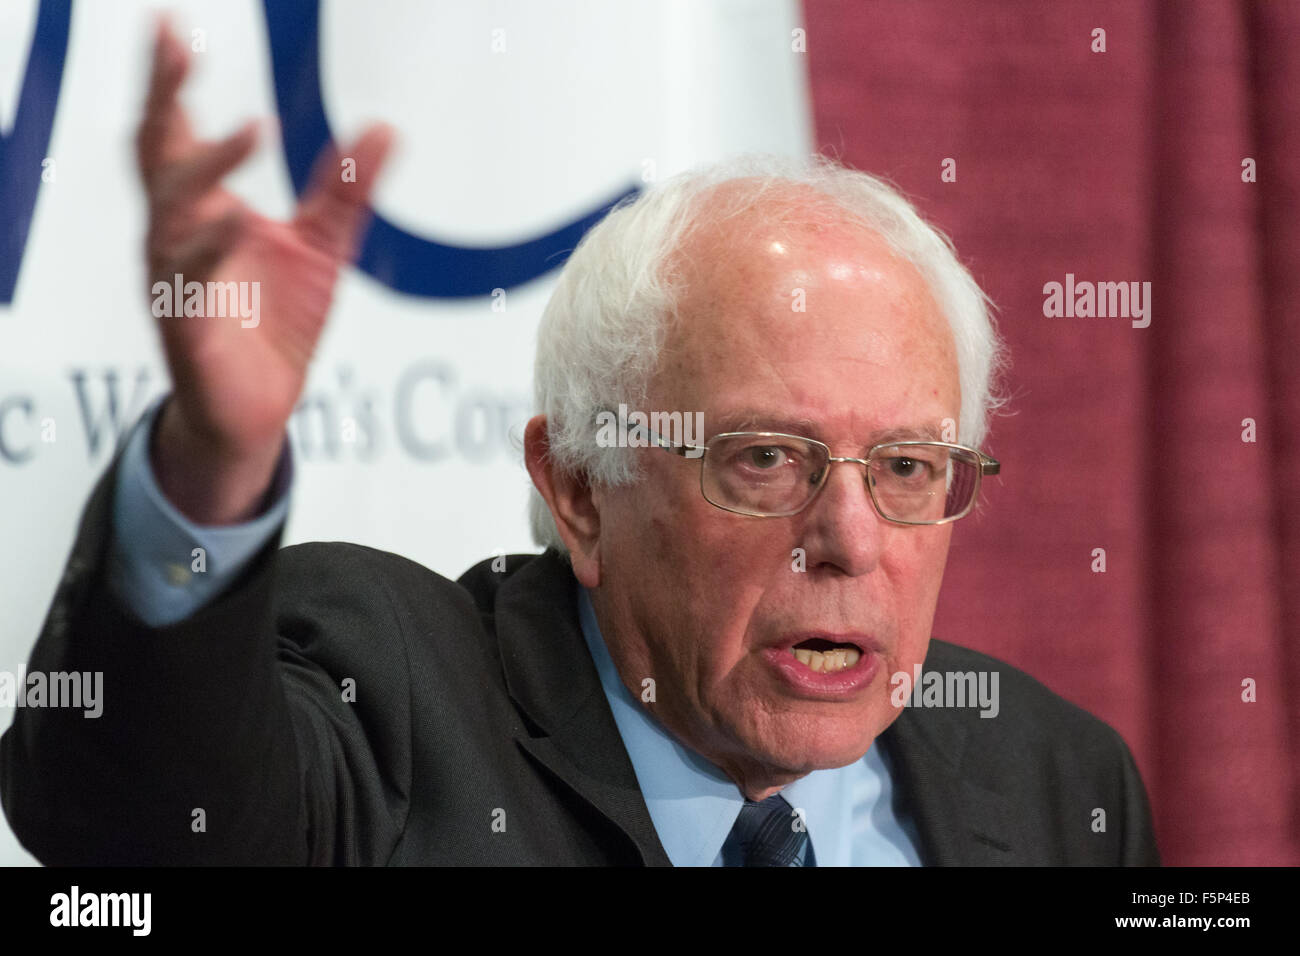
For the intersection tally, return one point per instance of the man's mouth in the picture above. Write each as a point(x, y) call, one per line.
point(826, 664)
point(826, 657)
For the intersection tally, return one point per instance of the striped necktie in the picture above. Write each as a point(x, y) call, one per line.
point(767, 833)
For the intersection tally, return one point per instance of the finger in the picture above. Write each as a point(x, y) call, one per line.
point(185, 182)
point(164, 133)
point(336, 205)
point(206, 246)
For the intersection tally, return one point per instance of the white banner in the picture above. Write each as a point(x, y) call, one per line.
point(518, 123)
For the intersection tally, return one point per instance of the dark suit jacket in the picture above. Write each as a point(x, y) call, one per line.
point(479, 732)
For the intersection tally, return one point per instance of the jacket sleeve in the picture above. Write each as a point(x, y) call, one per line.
point(1138, 836)
point(221, 740)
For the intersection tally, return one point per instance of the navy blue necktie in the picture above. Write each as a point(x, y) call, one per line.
point(767, 833)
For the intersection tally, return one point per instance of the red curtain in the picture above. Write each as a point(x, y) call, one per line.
point(1126, 165)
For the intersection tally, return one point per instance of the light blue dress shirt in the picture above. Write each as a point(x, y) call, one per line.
point(848, 811)
point(152, 565)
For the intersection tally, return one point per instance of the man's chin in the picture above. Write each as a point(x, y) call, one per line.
point(801, 756)
point(830, 758)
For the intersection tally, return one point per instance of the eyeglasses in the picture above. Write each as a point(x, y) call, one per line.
point(772, 475)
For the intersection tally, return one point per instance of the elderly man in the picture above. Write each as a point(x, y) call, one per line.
point(699, 668)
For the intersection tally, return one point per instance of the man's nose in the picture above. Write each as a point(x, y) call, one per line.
point(843, 528)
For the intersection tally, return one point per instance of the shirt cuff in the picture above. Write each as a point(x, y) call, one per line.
point(163, 567)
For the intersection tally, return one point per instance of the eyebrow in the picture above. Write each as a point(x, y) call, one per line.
point(749, 421)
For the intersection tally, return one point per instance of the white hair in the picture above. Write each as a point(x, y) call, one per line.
point(601, 332)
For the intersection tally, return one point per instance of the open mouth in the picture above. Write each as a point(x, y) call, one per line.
point(826, 657)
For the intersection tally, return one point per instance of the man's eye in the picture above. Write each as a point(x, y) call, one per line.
point(907, 467)
point(764, 456)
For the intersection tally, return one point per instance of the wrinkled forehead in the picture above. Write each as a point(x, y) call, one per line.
point(803, 307)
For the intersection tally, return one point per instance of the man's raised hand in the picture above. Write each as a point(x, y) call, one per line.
point(236, 384)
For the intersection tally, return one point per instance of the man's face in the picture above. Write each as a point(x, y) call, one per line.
point(707, 602)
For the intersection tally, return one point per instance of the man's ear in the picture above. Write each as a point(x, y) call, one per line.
point(570, 501)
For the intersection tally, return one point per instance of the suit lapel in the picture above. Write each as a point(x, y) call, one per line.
point(551, 677)
point(959, 822)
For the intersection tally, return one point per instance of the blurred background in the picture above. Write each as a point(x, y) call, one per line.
point(1138, 555)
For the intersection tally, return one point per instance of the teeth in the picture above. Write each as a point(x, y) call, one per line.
point(826, 662)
